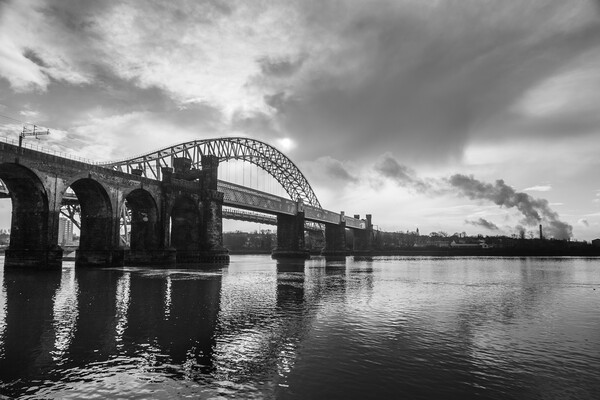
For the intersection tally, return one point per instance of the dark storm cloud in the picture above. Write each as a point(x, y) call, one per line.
point(388, 167)
point(325, 169)
point(422, 78)
point(484, 223)
point(34, 57)
point(112, 95)
point(75, 15)
point(78, 15)
point(336, 169)
point(534, 210)
point(280, 67)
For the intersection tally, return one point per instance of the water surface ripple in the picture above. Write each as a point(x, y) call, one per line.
point(418, 327)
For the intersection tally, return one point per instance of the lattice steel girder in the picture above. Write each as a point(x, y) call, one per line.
point(250, 199)
point(249, 216)
point(240, 215)
point(320, 215)
point(253, 151)
point(355, 223)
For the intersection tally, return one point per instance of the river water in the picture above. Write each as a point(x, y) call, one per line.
point(415, 328)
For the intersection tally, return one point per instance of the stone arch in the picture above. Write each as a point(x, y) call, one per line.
point(97, 222)
point(144, 220)
point(185, 225)
point(30, 213)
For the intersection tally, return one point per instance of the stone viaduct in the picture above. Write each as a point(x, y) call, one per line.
point(176, 219)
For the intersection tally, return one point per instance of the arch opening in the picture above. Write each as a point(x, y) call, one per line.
point(185, 225)
point(143, 220)
point(29, 217)
point(96, 215)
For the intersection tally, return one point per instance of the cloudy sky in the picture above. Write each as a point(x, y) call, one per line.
point(453, 115)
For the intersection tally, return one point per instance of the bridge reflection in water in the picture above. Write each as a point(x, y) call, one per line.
point(117, 329)
point(57, 323)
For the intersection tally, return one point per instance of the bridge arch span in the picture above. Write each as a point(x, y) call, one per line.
point(144, 233)
point(30, 211)
point(96, 215)
point(68, 183)
point(256, 152)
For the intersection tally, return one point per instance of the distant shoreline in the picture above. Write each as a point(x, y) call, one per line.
point(491, 252)
point(444, 252)
point(472, 252)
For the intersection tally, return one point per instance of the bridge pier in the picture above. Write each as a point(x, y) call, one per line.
point(211, 232)
point(290, 237)
point(363, 239)
point(196, 231)
point(50, 258)
point(99, 258)
point(335, 240)
point(33, 241)
point(165, 257)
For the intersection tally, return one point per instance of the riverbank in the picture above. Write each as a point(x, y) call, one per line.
point(491, 252)
point(444, 252)
point(460, 252)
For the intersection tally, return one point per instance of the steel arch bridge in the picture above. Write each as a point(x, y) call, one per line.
point(261, 154)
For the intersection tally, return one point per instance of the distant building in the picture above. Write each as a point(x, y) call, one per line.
point(596, 242)
point(480, 244)
point(65, 232)
point(425, 241)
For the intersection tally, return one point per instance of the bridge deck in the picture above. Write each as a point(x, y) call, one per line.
point(250, 199)
point(239, 196)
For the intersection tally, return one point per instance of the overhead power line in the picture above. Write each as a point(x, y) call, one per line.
point(14, 119)
point(34, 131)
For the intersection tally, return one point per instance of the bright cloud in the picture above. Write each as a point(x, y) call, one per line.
point(538, 188)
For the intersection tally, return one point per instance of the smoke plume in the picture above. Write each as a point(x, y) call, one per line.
point(534, 210)
point(484, 223)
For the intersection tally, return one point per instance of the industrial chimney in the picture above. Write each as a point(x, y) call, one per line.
point(541, 234)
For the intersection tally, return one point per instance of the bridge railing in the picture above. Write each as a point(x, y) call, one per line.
point(46, 150)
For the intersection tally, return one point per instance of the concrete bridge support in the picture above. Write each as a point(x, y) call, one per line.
point(290, 237)
point(25, 254)
point(196, 228)
point(363, 239)
point(211, 232)
point(335, 241)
